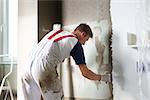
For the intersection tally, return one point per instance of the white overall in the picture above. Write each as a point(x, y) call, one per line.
point(40, 78)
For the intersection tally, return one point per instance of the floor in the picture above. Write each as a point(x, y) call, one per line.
point(67, 98)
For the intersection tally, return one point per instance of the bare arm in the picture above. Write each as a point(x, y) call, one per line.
point(88, 73)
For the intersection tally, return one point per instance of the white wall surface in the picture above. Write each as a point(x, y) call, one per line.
point(126, 18)
point(27, 34)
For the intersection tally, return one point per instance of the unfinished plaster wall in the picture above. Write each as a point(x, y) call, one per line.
point(77, 11)
point(96, 14)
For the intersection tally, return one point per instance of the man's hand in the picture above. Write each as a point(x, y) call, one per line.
point(106, 78)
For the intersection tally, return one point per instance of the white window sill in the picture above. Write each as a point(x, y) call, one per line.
point(7, 63)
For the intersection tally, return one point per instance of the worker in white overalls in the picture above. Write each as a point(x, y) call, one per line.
point(41, 77)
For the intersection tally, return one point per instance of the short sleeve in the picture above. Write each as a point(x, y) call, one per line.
point(78, 54)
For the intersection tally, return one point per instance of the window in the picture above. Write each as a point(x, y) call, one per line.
point(3, 28)
point(8, 28)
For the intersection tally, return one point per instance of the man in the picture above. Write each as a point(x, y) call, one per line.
point(41, 77)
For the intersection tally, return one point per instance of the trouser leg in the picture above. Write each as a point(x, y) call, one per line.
point(30, 90)
point(48, 83)
point(52, 91)
point(51, 95)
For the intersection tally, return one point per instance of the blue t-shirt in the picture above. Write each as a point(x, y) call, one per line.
point(78, 54)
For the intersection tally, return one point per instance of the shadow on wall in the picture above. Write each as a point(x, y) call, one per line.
point(118, 74)
point(117, 67)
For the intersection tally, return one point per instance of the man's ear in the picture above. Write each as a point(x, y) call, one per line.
point(83, 34)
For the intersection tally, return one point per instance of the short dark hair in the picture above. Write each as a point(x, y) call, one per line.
point(85, 28)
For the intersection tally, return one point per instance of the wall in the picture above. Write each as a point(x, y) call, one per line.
point(49, 12)
point(96, 14)
point(74, 12)
point(27, 35)
point(126, 18)
point(77, 11)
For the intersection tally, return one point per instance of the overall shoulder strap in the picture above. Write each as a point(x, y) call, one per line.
point(59, 37)
point(53, 35)
point(62, 37)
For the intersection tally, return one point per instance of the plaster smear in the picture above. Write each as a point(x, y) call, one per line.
point(96, 52)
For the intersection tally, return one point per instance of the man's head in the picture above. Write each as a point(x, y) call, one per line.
point(83, 33)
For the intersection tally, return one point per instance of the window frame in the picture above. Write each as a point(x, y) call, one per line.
point(8, 30)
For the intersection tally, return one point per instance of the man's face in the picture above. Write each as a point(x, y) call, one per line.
point(83, 38)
